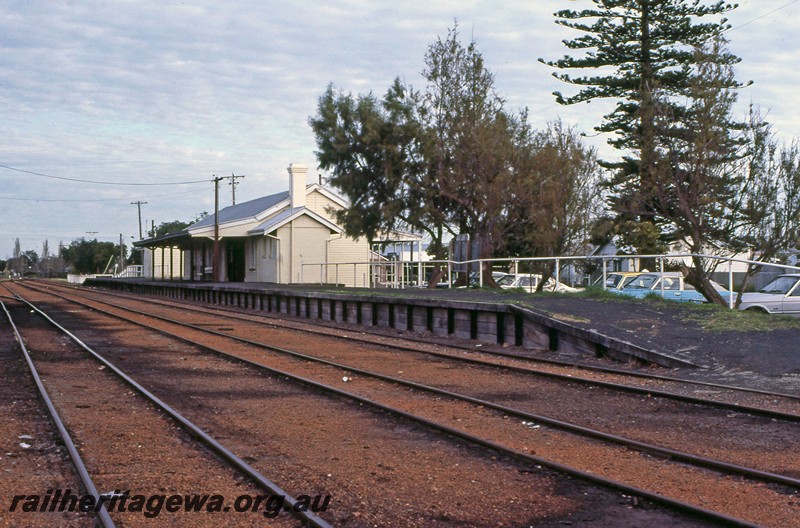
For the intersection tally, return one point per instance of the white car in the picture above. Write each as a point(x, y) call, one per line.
point(474, 277)
point(780, 296)
point(529, 282)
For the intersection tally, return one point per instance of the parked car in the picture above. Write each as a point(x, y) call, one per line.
point(474, 277)
point(780, 296)
point(530, 281)
point(675, 288)
point(618, 279)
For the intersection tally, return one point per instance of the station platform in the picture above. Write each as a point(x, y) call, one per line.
point(667, 334)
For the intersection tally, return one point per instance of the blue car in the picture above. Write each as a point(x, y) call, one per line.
point(675, 289)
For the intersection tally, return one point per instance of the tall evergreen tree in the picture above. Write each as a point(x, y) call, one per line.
point(698, 179)
point(644, 53)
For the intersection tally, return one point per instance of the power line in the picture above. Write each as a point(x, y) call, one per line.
point(762, 16)
point(99, 182)
point(99, 200)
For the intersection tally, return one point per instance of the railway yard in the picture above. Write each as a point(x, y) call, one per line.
point(182, 399)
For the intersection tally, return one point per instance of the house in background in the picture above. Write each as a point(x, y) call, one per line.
point(269, 239)
point(614, 260)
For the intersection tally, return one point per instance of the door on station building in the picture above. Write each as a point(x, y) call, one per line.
point(235, 252)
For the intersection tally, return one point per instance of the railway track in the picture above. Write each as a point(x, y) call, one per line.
point(32, 455)
point(536, 421)
point(643, 382)
point(527, 482)
point(115, 440)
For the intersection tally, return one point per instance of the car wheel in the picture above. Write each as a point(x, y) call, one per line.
point(757, 309)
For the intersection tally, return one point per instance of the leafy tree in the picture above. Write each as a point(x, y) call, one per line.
point(447, 160)
point(644, 51)
point(561, 198)
point(771, 196)
point(50, 265)
point(165, 228)
point(373, 150)
point(376, 152)
point(475, 143)
point(31, 256)
point(89, 256)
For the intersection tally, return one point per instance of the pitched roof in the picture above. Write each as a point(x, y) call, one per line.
point(287, 216)
point(174, 239)
point(242, 211)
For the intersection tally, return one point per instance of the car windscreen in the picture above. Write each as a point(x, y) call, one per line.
point(643, 281)
point(779, 285)
point(508, 280)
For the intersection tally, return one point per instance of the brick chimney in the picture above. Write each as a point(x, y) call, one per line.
point(297, 184)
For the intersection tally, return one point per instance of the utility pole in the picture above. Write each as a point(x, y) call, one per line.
point(233, 183)
point(216, 256)
point(121, 255)
point(139, 205)
point(215, 260)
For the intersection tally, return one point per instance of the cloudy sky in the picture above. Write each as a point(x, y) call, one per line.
point(164, 93)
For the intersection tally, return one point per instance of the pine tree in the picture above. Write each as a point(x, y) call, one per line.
point(644, 51)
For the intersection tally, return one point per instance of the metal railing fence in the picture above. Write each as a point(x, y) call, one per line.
point(413, 274)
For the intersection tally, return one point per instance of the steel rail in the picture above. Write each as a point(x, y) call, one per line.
point(235, 314)
point(487, 351)
point(709, 463)
point(519, 455)
point(568, 470)
point(102, 514)
point(289, 502)
point(746, 409)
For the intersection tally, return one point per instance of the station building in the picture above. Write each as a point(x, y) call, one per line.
point(268, 239)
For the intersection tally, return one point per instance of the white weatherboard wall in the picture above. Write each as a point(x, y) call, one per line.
point(166, 264)
point(261, 259)
point(340, 249)
point(302, 240)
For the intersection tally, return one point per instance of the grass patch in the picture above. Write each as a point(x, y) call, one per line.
point(713, 318)
point(598, 292)
point(569, 318)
